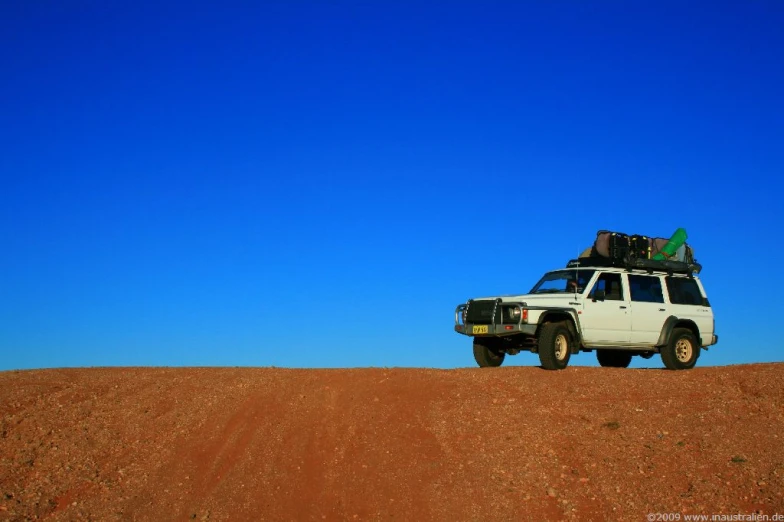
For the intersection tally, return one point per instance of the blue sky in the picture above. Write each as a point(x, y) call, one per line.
point(319, 184)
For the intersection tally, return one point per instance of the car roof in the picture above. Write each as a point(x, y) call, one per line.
point(619, 270)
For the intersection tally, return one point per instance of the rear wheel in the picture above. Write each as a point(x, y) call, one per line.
point(682, 352)
point(485, 355)
point(554, 346)
point(614, 358)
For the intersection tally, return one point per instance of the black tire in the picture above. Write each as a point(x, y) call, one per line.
point(486, 356)
point(683, 350)
point(555, 346)
point(614, 358)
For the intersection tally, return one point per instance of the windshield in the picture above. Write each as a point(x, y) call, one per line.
point(563, 282)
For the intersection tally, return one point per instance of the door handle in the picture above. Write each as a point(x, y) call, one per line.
point(662, 310)
point(622, 307)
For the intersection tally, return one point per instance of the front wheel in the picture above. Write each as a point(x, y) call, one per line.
point(485, 356)
point(554, 346)
point(682, 352)
point(614, 358)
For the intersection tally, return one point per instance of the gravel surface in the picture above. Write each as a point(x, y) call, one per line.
point(511, 443)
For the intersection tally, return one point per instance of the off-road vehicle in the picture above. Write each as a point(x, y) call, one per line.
point(617, 312)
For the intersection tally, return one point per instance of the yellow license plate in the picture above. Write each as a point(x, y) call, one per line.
point(480, 328)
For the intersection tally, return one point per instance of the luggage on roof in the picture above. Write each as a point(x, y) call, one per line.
point(640, 251)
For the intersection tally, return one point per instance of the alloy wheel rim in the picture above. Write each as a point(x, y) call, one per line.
point(561, 347)
point(683, 350)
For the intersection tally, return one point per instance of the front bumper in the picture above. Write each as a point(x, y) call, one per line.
point(495, 330)
point(492, 318)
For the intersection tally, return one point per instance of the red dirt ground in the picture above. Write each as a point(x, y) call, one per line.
point(511, 443)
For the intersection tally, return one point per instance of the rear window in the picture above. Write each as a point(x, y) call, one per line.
point(684, 291)
point(645, 289)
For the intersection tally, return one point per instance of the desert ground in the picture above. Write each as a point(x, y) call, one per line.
point(509, 443)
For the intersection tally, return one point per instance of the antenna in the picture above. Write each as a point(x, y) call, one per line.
point(576, 272)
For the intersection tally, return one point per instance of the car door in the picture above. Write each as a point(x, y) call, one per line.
point(648, 310)
point(606, 322)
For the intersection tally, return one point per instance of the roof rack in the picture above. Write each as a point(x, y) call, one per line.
point(649, 265)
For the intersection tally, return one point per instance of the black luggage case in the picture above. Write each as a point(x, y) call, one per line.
point(639, 247)
point(619, 246)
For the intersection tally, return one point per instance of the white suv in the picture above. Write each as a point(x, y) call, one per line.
point(619, 312)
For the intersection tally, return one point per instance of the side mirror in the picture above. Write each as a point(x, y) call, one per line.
point(598, 295)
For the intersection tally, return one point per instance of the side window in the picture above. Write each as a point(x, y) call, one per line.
point(611, 284)
point(645, 289)
point(683, 291)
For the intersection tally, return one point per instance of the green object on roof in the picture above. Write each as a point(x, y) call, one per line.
point(672, 246)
